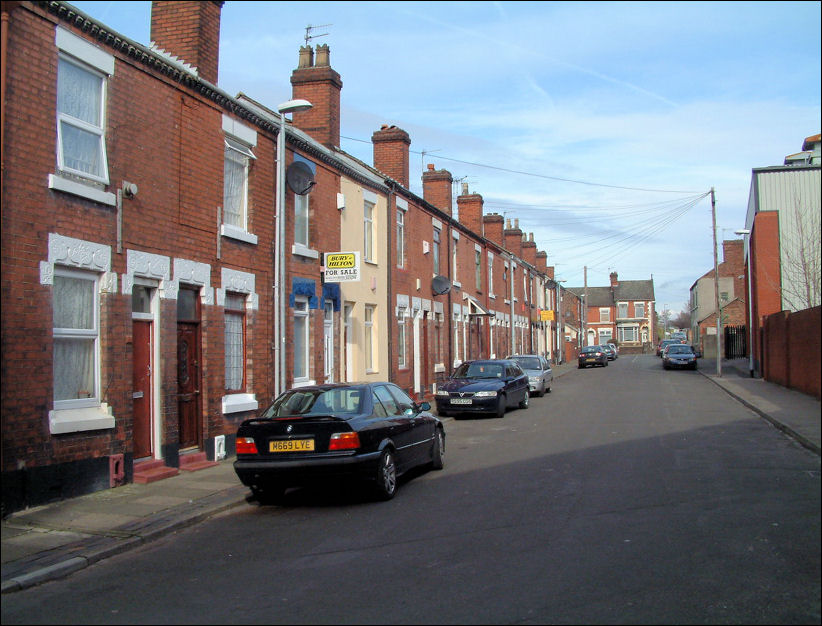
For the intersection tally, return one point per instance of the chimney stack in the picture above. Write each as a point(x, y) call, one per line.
point(391, 154)
point(436, 188)
point(614, 281)
point(513, 239)
point(189, 31)
point(314, 80)
point(492, 225)
point(469, 207)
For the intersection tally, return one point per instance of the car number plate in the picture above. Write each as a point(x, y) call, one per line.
point(590, 360)
point(461, 401)
point(291, 445)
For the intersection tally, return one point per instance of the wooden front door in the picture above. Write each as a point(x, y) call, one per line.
point(188, 383)
point(141, 388)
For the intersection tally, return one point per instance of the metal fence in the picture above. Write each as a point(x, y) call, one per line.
point(735, 342)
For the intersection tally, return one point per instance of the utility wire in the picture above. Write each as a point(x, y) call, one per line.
point(544, 176)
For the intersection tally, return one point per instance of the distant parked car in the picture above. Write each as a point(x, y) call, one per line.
point(616, 349)
point(370, 431)
point(592, 355)
point(540, 374)
point(490, 386)
point(665, 343)
point(679, 355)
point(609, 351)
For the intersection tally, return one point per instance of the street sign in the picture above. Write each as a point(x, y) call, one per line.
point(341, 266)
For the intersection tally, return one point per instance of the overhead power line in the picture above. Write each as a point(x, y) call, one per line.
point(543, 176)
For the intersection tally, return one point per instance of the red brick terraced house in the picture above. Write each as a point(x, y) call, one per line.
point(622, 313)
point(141, 267)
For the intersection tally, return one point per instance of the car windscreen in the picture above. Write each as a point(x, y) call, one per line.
point(343, 400)
point(479, 370)
point(678, 349)
point(528, 362)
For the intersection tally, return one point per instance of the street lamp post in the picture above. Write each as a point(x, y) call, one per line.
point(716, 291)
point(289, 106)
point(747, 232)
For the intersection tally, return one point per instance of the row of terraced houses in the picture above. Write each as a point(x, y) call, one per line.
point(158, 288)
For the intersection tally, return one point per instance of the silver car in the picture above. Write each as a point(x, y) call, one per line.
point(540, 375)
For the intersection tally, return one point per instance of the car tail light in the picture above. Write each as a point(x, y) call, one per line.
point(344, 441)
point(246, 445)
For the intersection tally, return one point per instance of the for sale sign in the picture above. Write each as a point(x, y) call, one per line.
point(341, 266)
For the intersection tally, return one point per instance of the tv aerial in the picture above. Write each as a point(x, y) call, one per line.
point(310, 27)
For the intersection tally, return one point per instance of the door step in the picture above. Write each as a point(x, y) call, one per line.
point(195, 461)
point(151, 471)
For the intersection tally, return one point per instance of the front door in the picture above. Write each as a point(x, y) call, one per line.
point(189, 402)
point(141, 389)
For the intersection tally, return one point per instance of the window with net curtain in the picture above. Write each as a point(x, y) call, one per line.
point(235, 183)
point(75, 337)
point(80, 113)
point(234, 341)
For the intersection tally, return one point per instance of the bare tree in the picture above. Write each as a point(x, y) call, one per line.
point(800, 243)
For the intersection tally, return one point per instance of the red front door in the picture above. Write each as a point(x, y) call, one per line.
point(188, 383)
point(141, 389)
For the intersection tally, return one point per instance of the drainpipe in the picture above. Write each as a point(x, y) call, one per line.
point(388, 274)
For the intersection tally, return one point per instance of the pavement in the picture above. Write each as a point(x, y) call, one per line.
point(54, 540)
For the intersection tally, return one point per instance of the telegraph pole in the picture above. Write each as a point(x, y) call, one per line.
point(716, 291)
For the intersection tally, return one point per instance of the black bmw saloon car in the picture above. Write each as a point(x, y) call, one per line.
point(369, 431)
point(483, 387)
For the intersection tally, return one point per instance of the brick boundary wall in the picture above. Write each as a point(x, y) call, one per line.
point(791, 347)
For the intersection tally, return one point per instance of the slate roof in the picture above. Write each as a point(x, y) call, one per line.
point(625, 291)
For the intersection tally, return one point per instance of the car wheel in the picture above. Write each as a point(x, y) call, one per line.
point(385, 480)
point(548, 389)
point(442, 413)
point(582, 367)
point(501, 406)
point(605, 364)
point(526, 400)
point(542, 391)
point(438, 454)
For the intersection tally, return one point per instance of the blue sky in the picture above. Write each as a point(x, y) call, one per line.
point(600, 126)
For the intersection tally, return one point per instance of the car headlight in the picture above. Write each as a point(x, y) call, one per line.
point(442, 392)
point(533, 379)
point(485, 394)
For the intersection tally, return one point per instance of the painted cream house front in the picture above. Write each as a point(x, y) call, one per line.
point(364, 325)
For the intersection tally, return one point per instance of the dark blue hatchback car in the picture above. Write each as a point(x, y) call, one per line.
point(483, 387)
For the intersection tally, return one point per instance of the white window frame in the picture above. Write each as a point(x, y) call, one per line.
point(478, 268)
point(436, 239)
point(239, 142)
point(622, 310)
point(88, 334)
point(368, 338)
point(93, 60)
point(368, 230)
point(400, 238)
point(231, 358)
point(402, 356)
point(455, 236)
point(491, 275)
point(302, 221)
point(604, 314)
point(639, 309)
point(302, 312)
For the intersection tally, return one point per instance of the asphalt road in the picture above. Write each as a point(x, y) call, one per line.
point(628, 495)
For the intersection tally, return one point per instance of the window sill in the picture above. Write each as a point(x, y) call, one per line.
point(301, 250)
point(58, 183)
point(303, 383)
point(227, 230)
point(237, 402)
point(63, 421)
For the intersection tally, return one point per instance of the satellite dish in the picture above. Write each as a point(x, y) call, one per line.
point(300, 178)
point(440, 285)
